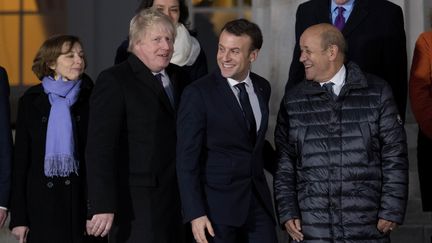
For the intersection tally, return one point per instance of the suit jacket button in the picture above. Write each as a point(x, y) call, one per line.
point(67, 182)
point(44, 119)
point(50, 184)
point(78, 118)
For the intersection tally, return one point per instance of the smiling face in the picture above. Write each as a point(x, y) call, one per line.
point(70, 64)
point(234, 56)
point(315, 59)
point(170, 8)
point(155, 47)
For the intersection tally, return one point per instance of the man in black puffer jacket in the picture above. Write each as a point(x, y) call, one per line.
point(342, 171)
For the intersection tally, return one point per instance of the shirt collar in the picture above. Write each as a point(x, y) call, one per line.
point(247, 80)
point(163, 72)
point(347, 6)
point(339, 78)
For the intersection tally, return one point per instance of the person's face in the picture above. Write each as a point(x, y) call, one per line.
point(234, 56)
point(155, 47)
point(70, 64)
point(170, 8)
point(340, 2)
point(314, 58)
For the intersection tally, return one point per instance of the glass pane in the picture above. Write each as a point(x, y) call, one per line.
point(30, 5)
point(9, 46)
point(9, 5)
point(14, 5)
point(34, 35)
point(207, 26)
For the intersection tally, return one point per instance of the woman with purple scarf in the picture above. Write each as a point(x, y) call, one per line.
point(48, 200)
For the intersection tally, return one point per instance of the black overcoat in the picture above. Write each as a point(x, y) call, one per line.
point(54, 208)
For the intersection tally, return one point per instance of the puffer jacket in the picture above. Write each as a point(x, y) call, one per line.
point(342, 163)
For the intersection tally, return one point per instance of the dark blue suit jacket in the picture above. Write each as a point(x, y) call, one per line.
point(217, 165)
point(376, 41)
point(5, 139)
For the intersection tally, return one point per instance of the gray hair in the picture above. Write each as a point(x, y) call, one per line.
point(145, 18)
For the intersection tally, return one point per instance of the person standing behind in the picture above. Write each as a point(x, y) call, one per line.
point(188, 53)
point(375, 35)
point(5, 146)
point(48, 202)
point(222, 122)
point(132, 185)
point(342, 152)
point(420, 87)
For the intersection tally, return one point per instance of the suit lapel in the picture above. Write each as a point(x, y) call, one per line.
point(358, 14)
point(321, 15)
point(148, 80)
point(228, 97)
point(259, 91)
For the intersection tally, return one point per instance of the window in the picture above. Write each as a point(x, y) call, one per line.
point(24, 25)
point(209, 16)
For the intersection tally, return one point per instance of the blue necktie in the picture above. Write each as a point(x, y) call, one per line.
point(340, 19)
point(167, 89)
point(329, 89)
point(247, 111)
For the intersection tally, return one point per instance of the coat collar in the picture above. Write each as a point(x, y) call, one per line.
point(355, 79)
point(146, 78)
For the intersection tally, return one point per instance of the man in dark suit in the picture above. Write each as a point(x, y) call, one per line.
point(374, 31)
point(5, 145)
point(132, 186)
point(221, 127)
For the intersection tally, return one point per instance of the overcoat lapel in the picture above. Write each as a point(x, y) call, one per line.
point(323, 13)
point(42, 102)
point(358, 14)
point(147, 80)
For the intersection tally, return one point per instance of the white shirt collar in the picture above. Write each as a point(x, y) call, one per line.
point(347, 6)
point(164, 74)
point(247, 80)
point(338, 79)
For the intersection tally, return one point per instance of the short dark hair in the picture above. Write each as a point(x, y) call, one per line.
point(240, 27)
point(48, 53)
point(184, 11)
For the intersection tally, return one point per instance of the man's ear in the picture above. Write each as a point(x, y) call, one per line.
point(253, 55)
point(333, 52)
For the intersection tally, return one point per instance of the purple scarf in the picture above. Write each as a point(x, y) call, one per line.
point(59, 151)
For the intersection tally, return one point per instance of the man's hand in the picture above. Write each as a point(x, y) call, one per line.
point(386, 226)
point(3, 216)
point(199, 225)
point(100, 224)
point(293, 227)
point(20, 233)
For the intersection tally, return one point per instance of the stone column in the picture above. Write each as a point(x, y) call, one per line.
point(277, 21)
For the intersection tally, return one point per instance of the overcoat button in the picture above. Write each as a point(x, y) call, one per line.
point(50, 184)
